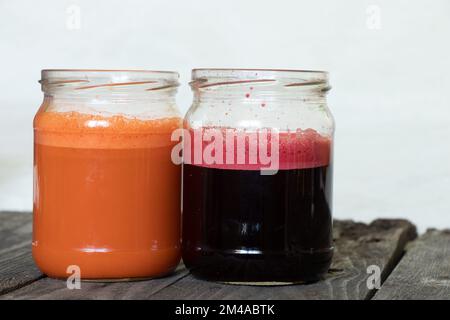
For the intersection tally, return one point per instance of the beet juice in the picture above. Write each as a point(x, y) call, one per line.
point(240, 225)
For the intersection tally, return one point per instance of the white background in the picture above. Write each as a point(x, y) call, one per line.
point(389, 63)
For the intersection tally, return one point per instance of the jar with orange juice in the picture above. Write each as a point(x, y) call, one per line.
point(106, 192)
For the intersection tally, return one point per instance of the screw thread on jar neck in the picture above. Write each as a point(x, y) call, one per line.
point(117, 85)
point(259, 84)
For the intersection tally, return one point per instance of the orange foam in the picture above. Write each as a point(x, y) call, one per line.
point(78, 130)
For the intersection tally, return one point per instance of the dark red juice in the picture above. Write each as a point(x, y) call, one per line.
point(241, 226)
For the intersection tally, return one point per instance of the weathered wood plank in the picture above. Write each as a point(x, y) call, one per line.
point(15, 230)
point(16, 264)
point(57, 289)
point(424, 271)
point(357, 246)
point(18, 273)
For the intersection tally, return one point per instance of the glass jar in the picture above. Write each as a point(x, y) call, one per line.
point(106, 193)
point(257, 176)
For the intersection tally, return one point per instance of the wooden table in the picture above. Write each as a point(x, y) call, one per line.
point(411, 268)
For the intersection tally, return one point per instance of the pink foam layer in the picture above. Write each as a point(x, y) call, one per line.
point(296, 150)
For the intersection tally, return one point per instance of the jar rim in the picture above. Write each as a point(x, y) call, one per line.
point(260, 69)
point(213, 77)
point(105, 71)
point(111, 78)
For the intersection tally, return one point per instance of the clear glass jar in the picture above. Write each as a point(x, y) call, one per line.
point(257, 176)
point(106, 193)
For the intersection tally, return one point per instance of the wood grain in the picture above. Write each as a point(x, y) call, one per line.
point(53, 289)
point(357, 247)
point(17, 268)
point(424, 271)
point(18, 273)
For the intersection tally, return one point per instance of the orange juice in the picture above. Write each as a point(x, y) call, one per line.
point(107, 196)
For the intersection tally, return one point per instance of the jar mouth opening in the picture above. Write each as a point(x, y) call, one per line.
point(258, 69)
point(213, 77)
point(50, 72)
point(80, 79)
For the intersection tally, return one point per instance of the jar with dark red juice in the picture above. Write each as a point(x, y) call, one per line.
point(257, 176)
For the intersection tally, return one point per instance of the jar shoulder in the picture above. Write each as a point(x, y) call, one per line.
point(287, 115)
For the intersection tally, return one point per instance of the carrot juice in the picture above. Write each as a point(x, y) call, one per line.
point(106, 195)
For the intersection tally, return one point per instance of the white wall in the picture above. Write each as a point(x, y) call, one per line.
point(390, 75)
